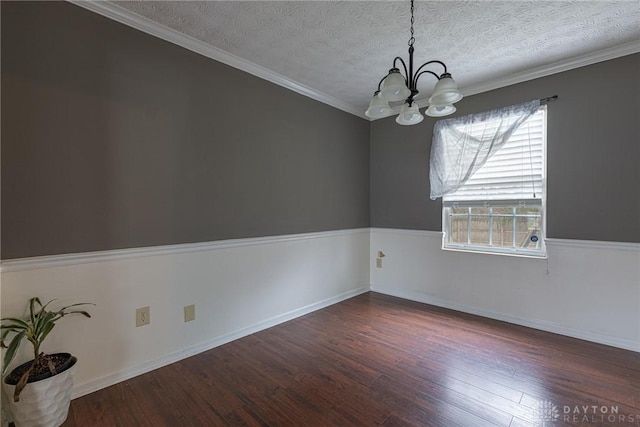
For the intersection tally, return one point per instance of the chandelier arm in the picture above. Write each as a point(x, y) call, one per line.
point(406, 74)
point(415, 80)
point(432, 62)
point(380, 82)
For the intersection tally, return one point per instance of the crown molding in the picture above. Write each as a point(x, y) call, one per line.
point(131, 19)
point(126, 17)
point(590, 58)
point(556, 67)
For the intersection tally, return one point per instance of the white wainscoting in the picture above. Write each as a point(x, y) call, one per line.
point(238, 286)
point(588, 290)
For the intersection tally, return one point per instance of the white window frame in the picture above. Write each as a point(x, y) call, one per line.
point(514, 250)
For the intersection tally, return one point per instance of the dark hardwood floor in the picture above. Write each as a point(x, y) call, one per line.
point(379, 360)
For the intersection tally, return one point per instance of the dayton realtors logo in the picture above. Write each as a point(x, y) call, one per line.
point(548, 413)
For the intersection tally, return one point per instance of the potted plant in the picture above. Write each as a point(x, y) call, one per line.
point(38, 391)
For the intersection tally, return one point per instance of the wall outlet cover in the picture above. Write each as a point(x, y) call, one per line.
point(143, 316)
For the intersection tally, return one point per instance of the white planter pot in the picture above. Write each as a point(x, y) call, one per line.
point(43, 403)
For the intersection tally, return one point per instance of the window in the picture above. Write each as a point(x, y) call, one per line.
point(500, 206)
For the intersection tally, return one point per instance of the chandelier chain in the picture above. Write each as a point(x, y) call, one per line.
point(412, 39)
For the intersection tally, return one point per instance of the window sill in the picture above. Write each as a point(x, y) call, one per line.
point(477, 250)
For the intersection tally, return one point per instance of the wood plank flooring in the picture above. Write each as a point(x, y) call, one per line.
point(378, 360)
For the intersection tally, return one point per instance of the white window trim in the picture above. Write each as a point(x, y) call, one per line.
point(540, 253)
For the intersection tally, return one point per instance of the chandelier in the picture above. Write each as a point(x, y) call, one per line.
point(397, 87)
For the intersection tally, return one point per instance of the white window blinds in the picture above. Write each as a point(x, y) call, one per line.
point(515, 171)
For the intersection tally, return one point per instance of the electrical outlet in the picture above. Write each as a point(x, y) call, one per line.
point(378, 262)
point(189, 313)
point(143, 316)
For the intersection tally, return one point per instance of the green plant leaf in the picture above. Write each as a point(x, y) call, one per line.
point(75, 305)
point(15, 320)
point(9, 330)
point(32, 303)
point(11, 351)
point(12, 328)
point(42, 322)
point(4, 336)
point(84, 313)
point(43, 307)
point(45, 316)
point(45, 331)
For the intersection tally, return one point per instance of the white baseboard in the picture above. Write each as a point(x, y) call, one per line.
point(541, 325)
point(117, 377)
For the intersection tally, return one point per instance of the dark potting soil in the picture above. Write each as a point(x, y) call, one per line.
point(40, 372)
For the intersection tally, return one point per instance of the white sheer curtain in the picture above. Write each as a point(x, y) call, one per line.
point(456, 155)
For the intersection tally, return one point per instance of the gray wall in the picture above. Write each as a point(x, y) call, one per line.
point(593, 155)
point(112, 139)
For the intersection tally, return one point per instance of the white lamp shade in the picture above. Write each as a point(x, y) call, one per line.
point(436, 111)
point(393, 87)
point(378, 107)
point(409, 115)
point(446, 92)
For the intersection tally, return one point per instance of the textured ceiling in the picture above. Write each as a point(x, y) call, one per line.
point(343, 48)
